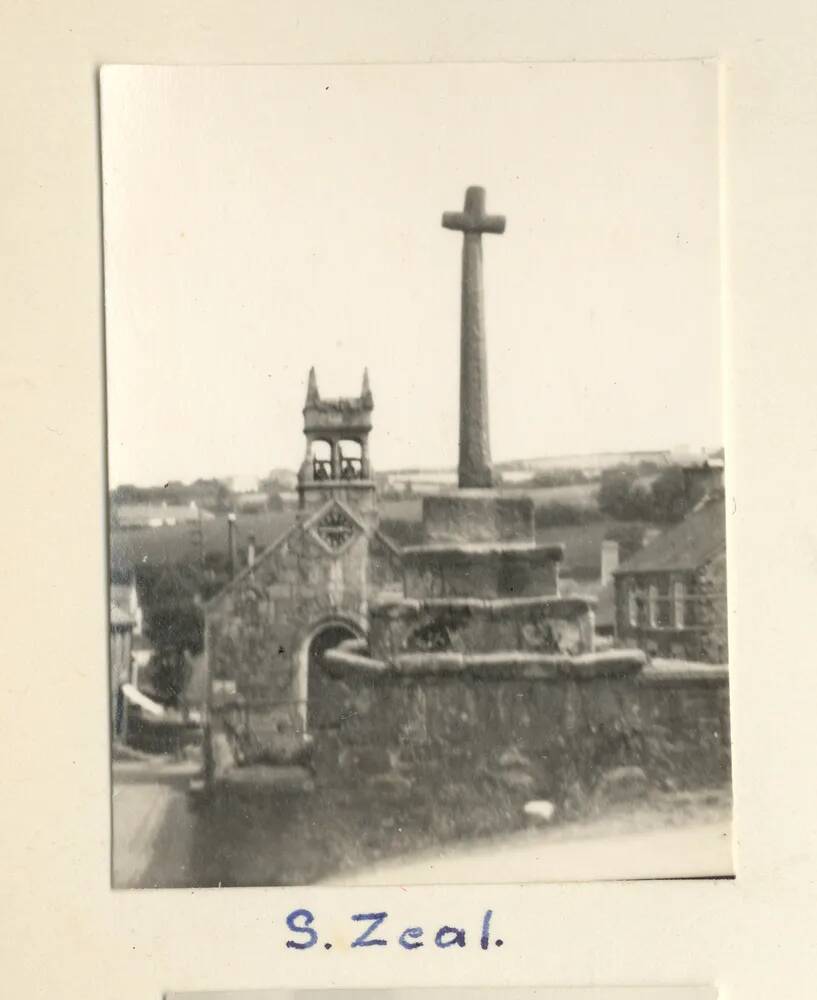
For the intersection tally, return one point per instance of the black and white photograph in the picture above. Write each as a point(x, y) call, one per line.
point(417, 486)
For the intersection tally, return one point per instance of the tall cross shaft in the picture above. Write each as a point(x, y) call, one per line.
point(475, 439)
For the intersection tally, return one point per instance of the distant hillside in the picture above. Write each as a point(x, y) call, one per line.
point(594, 462)
point(177, 543)
point(579, 460)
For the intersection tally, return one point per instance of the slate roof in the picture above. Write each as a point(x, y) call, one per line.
point(687, 546)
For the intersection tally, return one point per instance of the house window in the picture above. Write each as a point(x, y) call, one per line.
point(660, 606)
point(679, 593)
point(632, 606)
point(638, 613)
point(653, 605)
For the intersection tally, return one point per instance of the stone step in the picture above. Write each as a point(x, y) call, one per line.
point(267, 777)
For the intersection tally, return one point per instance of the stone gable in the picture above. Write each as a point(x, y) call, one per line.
point(259, 628)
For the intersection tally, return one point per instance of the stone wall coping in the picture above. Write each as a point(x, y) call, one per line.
point(395, 606)
point(350, 655)
point(511, 665)
point(656, 631)
point(661, 671)
point(682, 571)
point(553, 553)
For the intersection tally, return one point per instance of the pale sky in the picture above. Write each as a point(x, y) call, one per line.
point(259, 220)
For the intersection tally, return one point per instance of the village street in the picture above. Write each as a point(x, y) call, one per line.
point(568, 854)
point(162, 840)
point(152, 823)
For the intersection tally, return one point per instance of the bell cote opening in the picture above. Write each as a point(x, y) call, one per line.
point(337, 440)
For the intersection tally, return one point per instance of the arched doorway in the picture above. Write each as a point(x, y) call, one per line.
point(323, 707)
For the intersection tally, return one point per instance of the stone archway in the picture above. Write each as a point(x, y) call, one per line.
point(319, 708)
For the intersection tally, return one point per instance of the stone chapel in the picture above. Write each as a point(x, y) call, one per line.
point(309, 590)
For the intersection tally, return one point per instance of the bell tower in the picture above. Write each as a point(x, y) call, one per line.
point(336, 463)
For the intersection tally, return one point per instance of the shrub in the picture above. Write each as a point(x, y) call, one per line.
point(626, 496)
point(556, 514)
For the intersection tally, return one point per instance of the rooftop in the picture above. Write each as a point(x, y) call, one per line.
point(685, 546)
point(120, 618)
point(137, 514)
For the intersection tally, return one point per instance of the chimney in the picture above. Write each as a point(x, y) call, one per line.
point(609, 560)
point(251, 551)
point(232, 542)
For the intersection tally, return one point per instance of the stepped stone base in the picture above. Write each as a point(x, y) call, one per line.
point(477, 516)
point(483, 570)
point(481, 625)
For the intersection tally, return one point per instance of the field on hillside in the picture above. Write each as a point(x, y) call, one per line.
point(401, 510)
point(177, 543)
point(577, 494)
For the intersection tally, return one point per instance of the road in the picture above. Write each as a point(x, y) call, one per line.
point(161, 841)
point(568, 854)
point(153, 825)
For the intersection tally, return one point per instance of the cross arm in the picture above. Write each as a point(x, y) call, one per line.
point(464, 222)
point(473, 218)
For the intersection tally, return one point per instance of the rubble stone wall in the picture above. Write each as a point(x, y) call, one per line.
point(556, 740)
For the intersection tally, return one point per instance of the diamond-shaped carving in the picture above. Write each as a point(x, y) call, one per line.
point(335, 528)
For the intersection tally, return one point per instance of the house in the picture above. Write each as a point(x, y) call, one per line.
point(670, 597)
point(141, 655)
point(121, 636)
point(125, 597)
point(251, 502)
point(146, 515)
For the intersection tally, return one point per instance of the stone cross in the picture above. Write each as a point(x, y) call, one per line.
point(475, 444)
